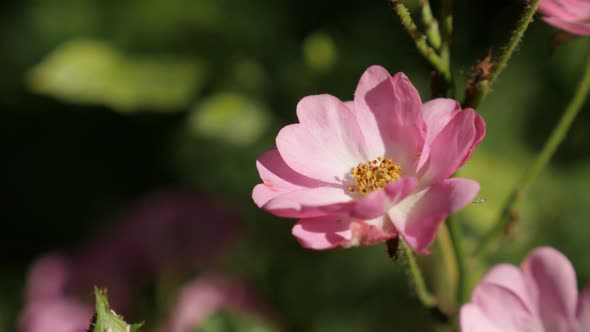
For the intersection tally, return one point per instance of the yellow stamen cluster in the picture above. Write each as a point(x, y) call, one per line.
point(374, 174)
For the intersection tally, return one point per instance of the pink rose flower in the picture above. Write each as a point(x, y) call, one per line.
point(570, 15)
point(361, 172)
point(541, 295)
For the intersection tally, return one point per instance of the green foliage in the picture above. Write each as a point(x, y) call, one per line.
point(106, 320)
point(93, 72)
point(319, 51)
point(229, 321)
point(229, 117)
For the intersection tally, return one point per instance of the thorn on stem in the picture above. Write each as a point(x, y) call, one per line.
point(483, 68)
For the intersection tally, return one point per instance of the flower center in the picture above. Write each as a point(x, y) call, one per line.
point(374, 174)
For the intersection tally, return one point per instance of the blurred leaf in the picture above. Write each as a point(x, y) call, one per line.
point(319, 51)
point(92, 72)
point(249, 75)
point(496, 176)
point(46, 17)
point(226, 321)
point(229, 117)
point(106, 320)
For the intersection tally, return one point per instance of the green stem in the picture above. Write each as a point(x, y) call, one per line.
point(448, 252)
point(427, 299)
point(522, 25)
point(452, 225)
point(447, 31)
point(420, 39)
point(456, 234)
point(556, 137)
point(431, 25)
point(502, 61)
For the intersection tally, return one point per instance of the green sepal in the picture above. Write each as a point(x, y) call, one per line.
point(106, 320)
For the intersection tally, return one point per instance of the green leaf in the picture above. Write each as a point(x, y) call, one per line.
point(94, 73)
point(319, 51)
point(106, 320)
point(230, 117)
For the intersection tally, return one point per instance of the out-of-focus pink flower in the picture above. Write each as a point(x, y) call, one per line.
point(48, 277)
point(361, 172)
point(58, 315)
point(570, 15)
point(541, 295)
point(48, 306)
point(168, 231)
point(206, 295)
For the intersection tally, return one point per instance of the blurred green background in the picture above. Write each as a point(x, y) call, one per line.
point(105, 101)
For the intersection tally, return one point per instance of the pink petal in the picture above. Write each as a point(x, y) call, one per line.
point(369, 232)
point(576, 27)
point(338, 230)
point(367, 118)
point(373, 205)
point(553, 279)
point(480, 132)
point(370, 206)
point(582, 7)
point(310, 203)
point(377, 203)
point(473, 320)
point(278, 178)
point(504, 309)
point(398, 190)
point(388, 110)
point(437, 114)
point(418, 217)
point(568, 10)
point(569, 15)
point(326, 143)
point(583, 311)
point(333, 232)
point(288, 194)
point(322, 233)
point(350, 104)
point(315, 202)
point(452, 146)
point(512, 278)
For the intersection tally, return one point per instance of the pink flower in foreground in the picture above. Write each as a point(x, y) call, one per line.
point(361, 172)
point(541, 295)
point(570, 15)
